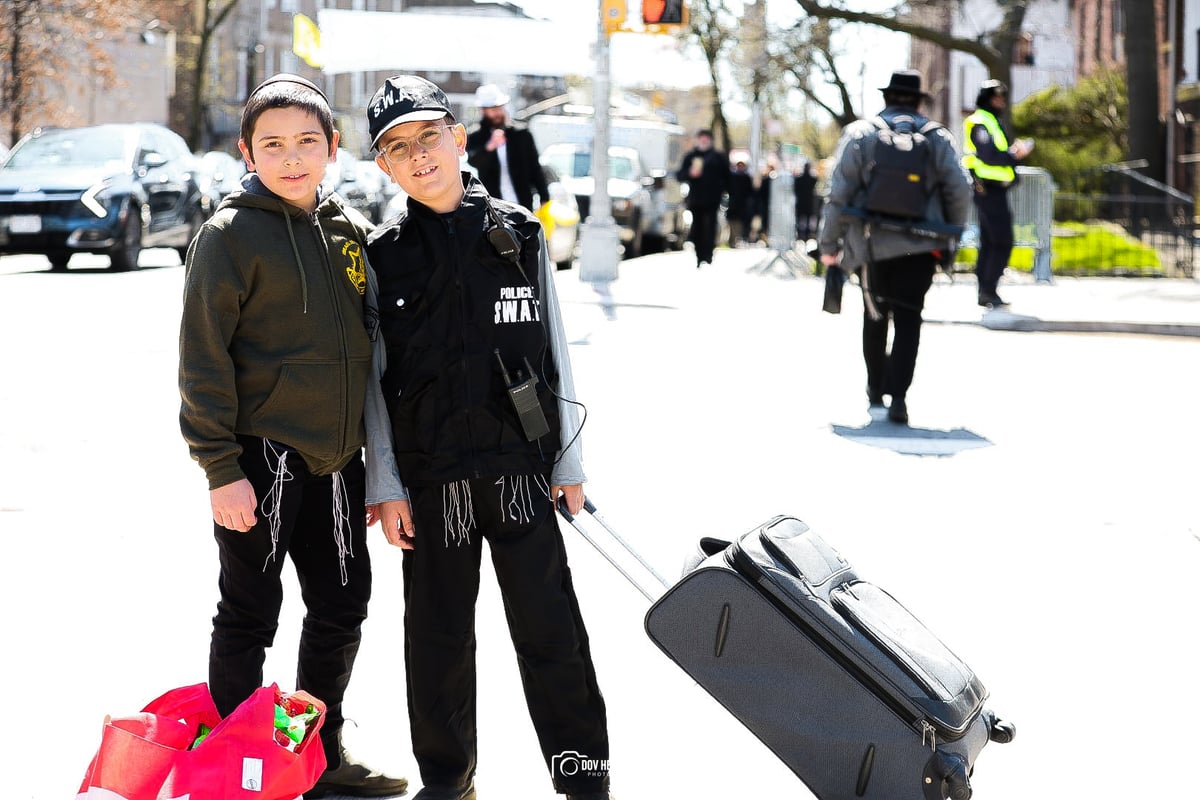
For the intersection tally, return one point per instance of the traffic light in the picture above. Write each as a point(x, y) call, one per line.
point(664, 12)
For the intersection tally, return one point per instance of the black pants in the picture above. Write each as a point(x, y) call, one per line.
point(898, 286)
point(441, 584)
point(703, 233)
point(995, 235)
point(335, 581)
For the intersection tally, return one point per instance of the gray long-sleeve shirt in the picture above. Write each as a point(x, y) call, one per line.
point(949, 201)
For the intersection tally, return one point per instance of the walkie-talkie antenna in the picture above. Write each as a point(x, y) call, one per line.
point(503, 369)
point(532, 374)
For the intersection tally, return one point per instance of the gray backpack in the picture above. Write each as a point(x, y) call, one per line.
point(901, 174)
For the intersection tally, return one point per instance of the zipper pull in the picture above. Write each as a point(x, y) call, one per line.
point(928, 733)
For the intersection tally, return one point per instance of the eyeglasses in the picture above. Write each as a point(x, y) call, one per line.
point(401, 150)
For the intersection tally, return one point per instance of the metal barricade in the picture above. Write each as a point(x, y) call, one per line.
point(1032, 204)
point(781, 233)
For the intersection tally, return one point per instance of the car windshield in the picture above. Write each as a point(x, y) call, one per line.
point(70, 148)
point(578, 164)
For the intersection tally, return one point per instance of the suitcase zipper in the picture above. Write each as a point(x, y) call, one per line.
point(745, 566)
point(929, 733)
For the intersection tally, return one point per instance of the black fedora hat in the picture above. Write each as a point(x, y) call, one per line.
point(907, 81)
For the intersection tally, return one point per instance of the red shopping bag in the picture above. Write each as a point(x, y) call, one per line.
point(147, 756)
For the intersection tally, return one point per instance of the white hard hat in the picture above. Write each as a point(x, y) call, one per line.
point(490, 95)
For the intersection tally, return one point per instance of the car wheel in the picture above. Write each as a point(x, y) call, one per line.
point(58, 261)
point(634, 248)
point(124, 254)
point(195, 221)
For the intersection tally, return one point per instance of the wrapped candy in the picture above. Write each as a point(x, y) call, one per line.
point(293, 720)
point(201, 734)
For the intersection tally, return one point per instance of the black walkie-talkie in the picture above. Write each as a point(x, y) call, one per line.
point(523, 395)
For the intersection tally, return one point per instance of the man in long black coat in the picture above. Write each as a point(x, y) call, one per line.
point(705, 170)
point(504, 153)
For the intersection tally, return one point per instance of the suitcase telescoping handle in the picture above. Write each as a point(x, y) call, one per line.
point(590, 508)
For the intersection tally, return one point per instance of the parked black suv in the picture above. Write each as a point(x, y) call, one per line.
point(110, 189)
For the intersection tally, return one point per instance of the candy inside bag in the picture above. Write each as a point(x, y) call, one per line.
point(293, 720)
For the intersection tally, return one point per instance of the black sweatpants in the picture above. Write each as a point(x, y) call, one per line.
point(334, 571)
point(441, 584)
point(703, 232)
point(898, 286)
point(995, 235)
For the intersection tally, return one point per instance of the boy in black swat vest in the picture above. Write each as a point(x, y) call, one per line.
point(896, 257)
point(482, 421)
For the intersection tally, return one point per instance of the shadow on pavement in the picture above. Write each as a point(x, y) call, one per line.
point(909, 441)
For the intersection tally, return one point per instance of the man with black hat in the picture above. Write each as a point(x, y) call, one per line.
point(992, 162)
point(483, 426)
point(504, 153)
point(896, 260)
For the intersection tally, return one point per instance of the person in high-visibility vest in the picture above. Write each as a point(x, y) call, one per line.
point(992, 162)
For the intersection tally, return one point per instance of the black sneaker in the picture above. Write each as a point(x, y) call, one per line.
point(447, 793)
point(353, 779)
point(991, 300)
point(898, 411)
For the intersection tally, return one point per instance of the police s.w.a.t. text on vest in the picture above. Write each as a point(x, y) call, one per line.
point(517, 304)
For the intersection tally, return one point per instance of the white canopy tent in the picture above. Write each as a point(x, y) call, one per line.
point(356, 41)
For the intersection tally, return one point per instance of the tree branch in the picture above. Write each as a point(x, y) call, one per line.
point(986, 53)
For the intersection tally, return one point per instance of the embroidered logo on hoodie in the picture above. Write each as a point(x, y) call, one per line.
point(357, 270)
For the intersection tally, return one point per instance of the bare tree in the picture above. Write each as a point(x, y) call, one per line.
point(993, 49)
point(809, 57)
point(713, 28)
point(1146, 129)
point(214, 13)
point(42, 45)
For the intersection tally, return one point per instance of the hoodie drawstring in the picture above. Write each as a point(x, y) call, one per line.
point(299, 262)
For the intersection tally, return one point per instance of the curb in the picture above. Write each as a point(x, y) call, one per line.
point(1006, 321)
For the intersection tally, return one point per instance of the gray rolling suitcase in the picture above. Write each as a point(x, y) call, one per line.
point(842, 683)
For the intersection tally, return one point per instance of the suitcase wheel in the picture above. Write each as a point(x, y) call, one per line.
point(946, 776)
point(1002, 732)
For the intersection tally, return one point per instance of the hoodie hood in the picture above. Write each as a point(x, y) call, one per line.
point(255, 194)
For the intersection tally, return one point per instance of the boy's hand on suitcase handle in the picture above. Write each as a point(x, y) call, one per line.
point(568, 498)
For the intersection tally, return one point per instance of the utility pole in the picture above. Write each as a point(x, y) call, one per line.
point(598, 239)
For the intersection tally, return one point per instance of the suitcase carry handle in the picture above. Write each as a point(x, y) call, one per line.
point(590, 508)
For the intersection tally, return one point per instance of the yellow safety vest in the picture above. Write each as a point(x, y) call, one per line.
point(986, 172)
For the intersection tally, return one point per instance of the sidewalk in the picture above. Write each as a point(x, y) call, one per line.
point(1153, 306)
point(1147, 306)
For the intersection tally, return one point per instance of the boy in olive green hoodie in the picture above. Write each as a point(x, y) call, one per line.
point(274, 361)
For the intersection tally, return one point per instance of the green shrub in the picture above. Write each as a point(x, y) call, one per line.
point(1081, 248)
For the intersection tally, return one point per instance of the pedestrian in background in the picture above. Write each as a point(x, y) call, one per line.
point(992, 161)
point(762, 202)
point(469, 315)
point(274, 357)
point(740, 211)
point(804, 185)
point(504, 154)
point(705, 170)
point(896, 267)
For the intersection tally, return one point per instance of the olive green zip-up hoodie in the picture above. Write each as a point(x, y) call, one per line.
point(272, 341)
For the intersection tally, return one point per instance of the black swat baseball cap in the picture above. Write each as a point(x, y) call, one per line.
point(404, 98)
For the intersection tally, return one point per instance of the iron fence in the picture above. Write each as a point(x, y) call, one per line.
point(1131, 226)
